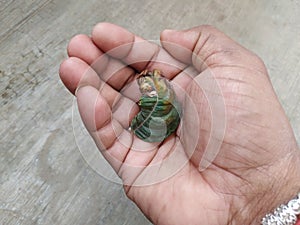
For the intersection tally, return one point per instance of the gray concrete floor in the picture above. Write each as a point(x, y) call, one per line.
point(44, 177)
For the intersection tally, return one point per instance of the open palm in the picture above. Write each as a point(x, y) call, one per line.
point(234, 143)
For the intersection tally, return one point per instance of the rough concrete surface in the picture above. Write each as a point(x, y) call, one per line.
point(44, 177)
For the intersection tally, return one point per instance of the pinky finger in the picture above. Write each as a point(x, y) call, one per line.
point(110, 137)
point(96, 115)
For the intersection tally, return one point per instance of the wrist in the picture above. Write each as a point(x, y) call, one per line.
point(283, 189)
point(285, 214)
point(276, 185)
point(285, 201)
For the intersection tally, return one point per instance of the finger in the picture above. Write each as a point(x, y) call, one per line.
point(97, 118)
point(94, 109)
point(118, 145)
point(110, 70)
point(82, 47)
point(205, 46)
point(76, 73)
point(133, 50)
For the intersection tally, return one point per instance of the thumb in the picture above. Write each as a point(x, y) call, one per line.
point(205, 46)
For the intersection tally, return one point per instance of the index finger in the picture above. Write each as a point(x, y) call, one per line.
point(135, 51)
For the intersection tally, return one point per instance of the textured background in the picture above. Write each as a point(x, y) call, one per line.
point(44, 178)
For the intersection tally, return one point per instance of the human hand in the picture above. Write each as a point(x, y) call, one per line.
point(257, 166)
